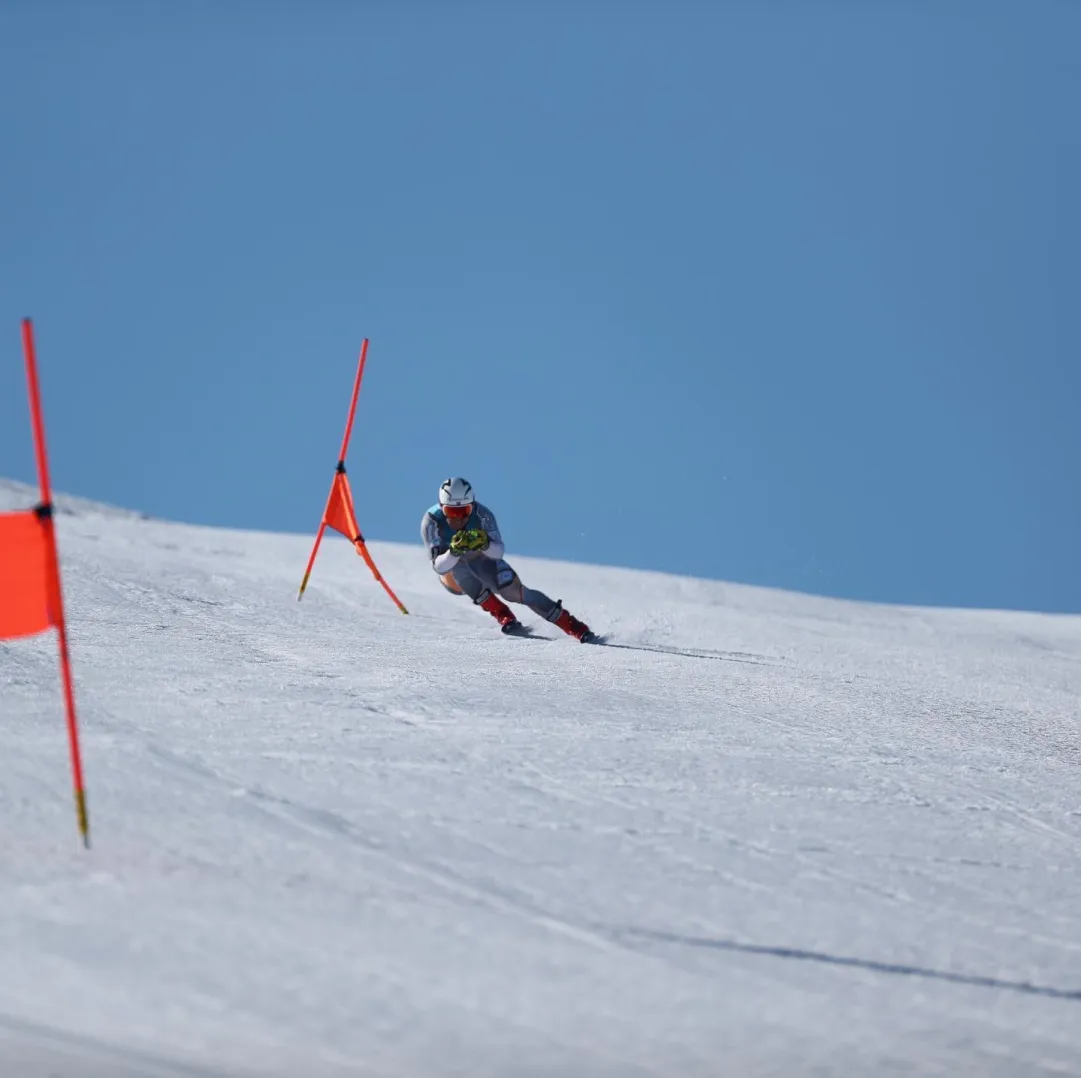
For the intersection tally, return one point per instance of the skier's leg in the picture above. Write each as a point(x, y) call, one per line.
point(513, 590)
point(448, 582)
point(474, 584)
point(467, 581)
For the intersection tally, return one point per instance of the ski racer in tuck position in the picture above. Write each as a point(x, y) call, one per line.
point(466, 549)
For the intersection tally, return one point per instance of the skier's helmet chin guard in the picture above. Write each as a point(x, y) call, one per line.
point(456, 500)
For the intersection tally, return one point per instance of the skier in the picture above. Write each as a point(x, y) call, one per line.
point(466, 549)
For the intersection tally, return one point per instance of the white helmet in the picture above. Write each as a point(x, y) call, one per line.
point(456, 499)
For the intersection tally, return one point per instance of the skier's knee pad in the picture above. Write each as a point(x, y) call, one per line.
point(512, 590)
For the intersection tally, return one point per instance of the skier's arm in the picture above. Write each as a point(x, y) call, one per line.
point(443, 561)
point(495, 548)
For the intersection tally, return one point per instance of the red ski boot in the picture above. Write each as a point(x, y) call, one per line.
point(573, 627)
point(500, 611)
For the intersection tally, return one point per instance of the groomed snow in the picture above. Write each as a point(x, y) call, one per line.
point(812, 837)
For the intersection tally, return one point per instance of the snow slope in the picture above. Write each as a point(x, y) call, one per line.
point(812, 837)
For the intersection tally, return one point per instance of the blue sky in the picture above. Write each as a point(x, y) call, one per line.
point(778, 293)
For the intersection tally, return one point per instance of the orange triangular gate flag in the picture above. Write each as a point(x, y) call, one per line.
point(28, 591)
point(340, 514)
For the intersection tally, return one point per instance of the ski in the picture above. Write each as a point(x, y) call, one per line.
point(523, 632)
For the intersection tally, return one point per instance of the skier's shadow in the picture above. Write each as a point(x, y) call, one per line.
point(974, 980)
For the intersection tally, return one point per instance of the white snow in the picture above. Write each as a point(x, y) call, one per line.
point(817, 837)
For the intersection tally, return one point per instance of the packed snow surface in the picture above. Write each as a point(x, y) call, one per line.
point(790, 835)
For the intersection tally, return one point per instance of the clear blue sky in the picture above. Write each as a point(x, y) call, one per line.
point(782, 293)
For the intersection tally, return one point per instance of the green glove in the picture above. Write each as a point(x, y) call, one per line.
point(466, 542)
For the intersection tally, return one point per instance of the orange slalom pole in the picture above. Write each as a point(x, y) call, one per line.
point(341, 460)
point(46, 513)
point(347, 523)
point(362, 550)
point(353, 403)
point(311, 560)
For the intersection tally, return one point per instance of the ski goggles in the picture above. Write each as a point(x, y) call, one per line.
point(457, 514)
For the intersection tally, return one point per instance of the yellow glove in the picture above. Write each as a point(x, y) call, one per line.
point(466, 542)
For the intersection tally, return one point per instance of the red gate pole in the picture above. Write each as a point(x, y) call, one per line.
point(341, 461)
point(353, 405)
point(311, 560)
point(45, 513)
point(340, 513)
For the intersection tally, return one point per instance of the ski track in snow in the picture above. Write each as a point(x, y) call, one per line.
point(755, 833)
